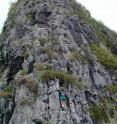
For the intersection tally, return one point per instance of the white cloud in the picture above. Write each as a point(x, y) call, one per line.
point(103, 10)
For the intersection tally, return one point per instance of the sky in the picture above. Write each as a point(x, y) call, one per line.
point(4, 8)
point(102, 10)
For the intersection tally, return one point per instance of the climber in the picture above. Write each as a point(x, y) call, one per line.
point(63, 98)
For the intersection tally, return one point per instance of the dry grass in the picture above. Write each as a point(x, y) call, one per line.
point(27, 80)
point(4, 94)
point(42, 66)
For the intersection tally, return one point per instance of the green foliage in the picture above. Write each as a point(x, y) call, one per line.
point(29, 17)
point(74, 56)
point(62, 76)
point(105, 57)
point(95, 113)
point(6, 92)
point(48, 67)
point(8, 88)
point(51, 54)
point(99, 113)
point(82, 12)
point(42, 41)
point(12, 12)
point(25, 101)
point(2, 37)
point(103, 33)
point(104, 110)
point(42, 66)
point(112, 88)
point(23, 72)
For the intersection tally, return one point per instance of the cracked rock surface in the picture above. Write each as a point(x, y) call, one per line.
point(50, 75)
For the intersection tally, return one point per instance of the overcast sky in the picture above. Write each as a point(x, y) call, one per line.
point(103, 10)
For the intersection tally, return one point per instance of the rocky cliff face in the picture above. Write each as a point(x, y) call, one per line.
point(58, 65)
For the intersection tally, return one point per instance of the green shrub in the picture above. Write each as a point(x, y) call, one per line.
point(74, 56)
point(48, 67)
point(103, 33)
point(29, 17)
point(105, 57)
point(95, 113)
point(23, 72)
point(8, 88)
point(62, 76)
point(99, 113)
point(112, 88)
point(42, 41)
point(2, 37)
point(103, 111)
point(6, 92)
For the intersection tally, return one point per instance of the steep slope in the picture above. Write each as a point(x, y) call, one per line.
point(58, 65)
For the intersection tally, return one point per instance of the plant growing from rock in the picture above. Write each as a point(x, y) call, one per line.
point(105, 57)
point(12, 13)
point(24, 101)
point(23, 72)
point(2, 37)
point(103, 111)
point(51, 54)
point(42, 66)
point(26, 80)
point(74, 56)
point(7, 91)
point(29, 17)
point(99, 113)
point(42, 41)
point(62, 76)
point(112, 88)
